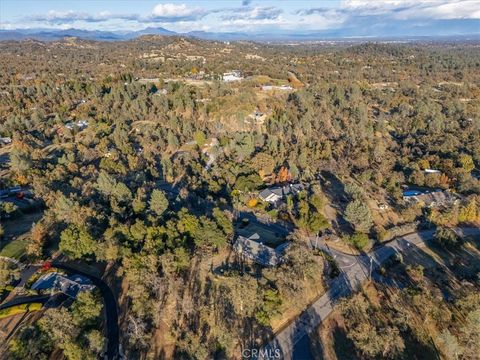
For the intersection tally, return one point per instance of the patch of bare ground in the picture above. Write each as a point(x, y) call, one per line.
point(330, 342)
point(10, 325)
point(163, 343)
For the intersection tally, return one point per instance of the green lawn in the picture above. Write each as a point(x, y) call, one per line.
point(14, 249)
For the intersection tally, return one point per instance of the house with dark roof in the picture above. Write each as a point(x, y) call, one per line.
point(275, 194)
point(252, 248)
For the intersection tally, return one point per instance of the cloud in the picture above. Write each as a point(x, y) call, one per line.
point(255, 13)
point(354, 16)
point(165, 13)
point(414, 9)
point(63, 17)
point(174, 12)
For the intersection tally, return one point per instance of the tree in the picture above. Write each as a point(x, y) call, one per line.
point(447, 238)
point(9, 272)
point(209, 235)
point(450, 346)
point(96, 341)
point(358, 214)
point(263, 164)
point(181, 259)
point(200, 138)
point(466, 162)
point(139, 201)
point(223, 221)
point(158, 202)
point(77, 242)
point(270, 307)
point(359, 240)
point(38, 235)
point(58, 325)
point(86, 309)
point(248, 182)
point(283, 175)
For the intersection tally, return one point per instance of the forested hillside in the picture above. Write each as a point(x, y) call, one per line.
point(144, 159)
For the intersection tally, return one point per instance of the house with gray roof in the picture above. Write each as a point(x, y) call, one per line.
point(428, 197)
point(275, 194)
point(252, 248)
point(69, 285)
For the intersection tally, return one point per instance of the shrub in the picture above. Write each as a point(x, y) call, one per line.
point(359, 240)
point(447, 238)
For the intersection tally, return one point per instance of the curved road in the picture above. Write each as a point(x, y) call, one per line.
point(113, 337)
point(25, 300)
point(355, 270)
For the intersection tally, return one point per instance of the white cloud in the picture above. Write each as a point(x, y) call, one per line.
point(62, 17)
point(174, 12)
point(414, 9)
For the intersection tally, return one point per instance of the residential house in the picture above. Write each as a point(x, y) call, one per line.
point(253, 249)
point(5, 140)
point(428, 197)
point(69, 285)
point(275, 194)
point(234, 75)
point(81, 124)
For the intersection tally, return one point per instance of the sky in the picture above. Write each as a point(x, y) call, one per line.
point(347, 17)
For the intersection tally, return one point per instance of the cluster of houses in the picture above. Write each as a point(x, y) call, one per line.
point(253, 247)
point(69, 285)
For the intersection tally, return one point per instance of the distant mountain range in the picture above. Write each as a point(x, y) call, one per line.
point(274, 36)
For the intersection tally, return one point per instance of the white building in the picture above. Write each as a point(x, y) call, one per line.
point(234, 75)
point(273, 87)
point(5, 140)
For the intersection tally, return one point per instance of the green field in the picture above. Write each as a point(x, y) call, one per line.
point(14, 249)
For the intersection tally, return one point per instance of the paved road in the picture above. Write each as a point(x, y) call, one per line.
point(113, 337)
point(25, 300)
point(352, 276)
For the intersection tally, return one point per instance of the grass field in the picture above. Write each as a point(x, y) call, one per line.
point(15, 240)
point(14, 249)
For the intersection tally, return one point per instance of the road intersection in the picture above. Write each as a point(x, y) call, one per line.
point(354, 271)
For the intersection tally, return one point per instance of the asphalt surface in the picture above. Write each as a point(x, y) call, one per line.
point(25, 300)
point(355, 270)
point(113, 331)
